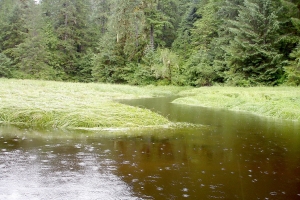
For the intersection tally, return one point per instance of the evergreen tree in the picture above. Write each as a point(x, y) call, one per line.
point(32, 54)
point(253, 56)
point(5, 66)
point(170, 14)
point(183, 42)
point(155, 20)
point(12, 25)
point(228, 11)
point(293, 69)
point(68, 24)
point(201, 69)
point(123, 42)
point(289, 43)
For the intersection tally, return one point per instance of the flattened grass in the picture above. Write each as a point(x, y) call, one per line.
point(275, 102)
point(74, 105)
point(34, 103)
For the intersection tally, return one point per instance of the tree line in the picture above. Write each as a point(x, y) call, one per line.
point(139, 42)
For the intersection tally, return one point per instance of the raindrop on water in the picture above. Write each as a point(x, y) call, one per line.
point(254, 180)
point(159, 188)
point(273, 193)
point(135, 180)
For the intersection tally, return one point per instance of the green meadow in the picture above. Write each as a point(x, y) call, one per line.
point(35, 103)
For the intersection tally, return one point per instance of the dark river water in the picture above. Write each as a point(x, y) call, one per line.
point(231, 155)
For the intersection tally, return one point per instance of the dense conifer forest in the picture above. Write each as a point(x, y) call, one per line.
point(160, 42)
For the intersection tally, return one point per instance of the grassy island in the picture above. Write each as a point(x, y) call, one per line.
point(75, 105)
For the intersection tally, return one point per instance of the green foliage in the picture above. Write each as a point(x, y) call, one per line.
point(5, 66)
point(12, 26)
point(293, 69)
point(182, 44)
point(142, 72)
point(253, 55)
point(187, 42)
point(200, 69)
point(164, 66)
point(31, 56)
point(201, 28)
point(206, 28)
point(108, 63)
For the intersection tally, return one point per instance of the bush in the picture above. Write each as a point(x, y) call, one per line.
point(5, 66)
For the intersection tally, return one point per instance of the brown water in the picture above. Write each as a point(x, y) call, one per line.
point(233, 156)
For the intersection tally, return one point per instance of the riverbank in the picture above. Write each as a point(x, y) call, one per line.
point(35, 103)
point(276, 102)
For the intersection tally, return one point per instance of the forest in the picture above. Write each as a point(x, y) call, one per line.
point(159, 42)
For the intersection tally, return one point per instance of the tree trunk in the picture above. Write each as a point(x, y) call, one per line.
point(152, 36)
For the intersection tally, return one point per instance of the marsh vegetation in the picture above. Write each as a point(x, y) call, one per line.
point(75, 105)
point(275, 102)
point(34, 103)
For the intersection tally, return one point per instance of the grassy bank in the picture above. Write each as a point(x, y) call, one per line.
point(75, 105)
point(89, 105)
point(276, 102)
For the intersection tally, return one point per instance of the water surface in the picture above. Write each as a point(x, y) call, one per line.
point(232, 156)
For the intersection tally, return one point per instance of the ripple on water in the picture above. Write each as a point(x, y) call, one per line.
point(22, 177)
point(160, 188)
point(273, 193)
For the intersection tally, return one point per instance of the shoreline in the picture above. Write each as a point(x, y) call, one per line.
point(278, 103)
point(36, 103)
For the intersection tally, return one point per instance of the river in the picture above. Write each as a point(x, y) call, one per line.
point(228, 155)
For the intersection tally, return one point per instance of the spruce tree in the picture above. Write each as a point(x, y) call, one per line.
point(68, 24)
point(183, 42)
point(253, 57)
point(123, 42)
point(199, 66)
point(12, 25)
point(32, 54)
point(289, 43)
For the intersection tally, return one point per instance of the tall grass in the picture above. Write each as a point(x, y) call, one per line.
point(89, 105)
point(276, 102)
point(75, 105)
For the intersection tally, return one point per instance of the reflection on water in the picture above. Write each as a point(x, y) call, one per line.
point(236, 156)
